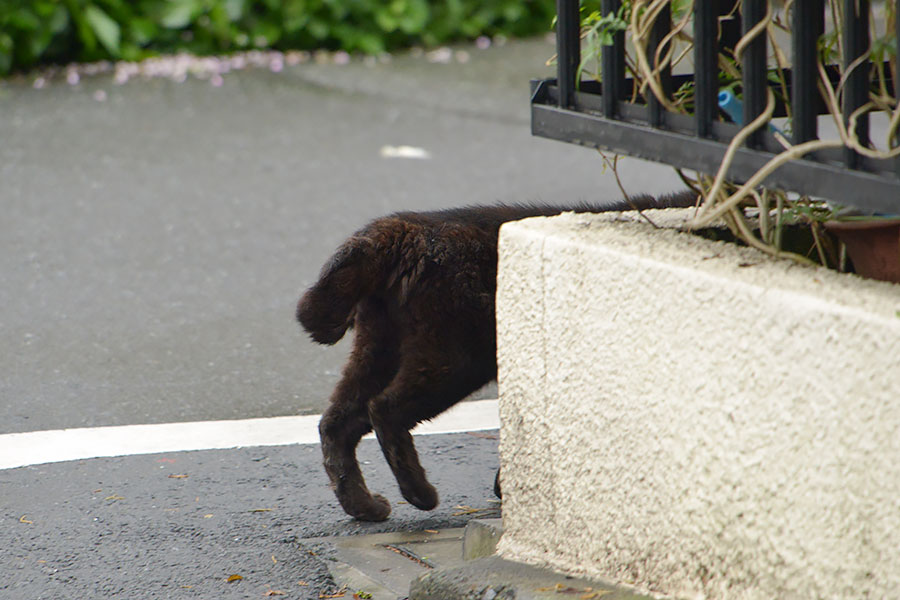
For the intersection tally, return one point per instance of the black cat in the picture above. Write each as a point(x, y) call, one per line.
point(418, 288)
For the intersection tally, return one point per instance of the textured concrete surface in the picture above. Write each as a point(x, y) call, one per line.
point(481, 537)
point(494, 578)
point(695, 418)
point(384, 564)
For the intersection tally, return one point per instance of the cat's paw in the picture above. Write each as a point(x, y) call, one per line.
point(423, 497)
point(378, 509)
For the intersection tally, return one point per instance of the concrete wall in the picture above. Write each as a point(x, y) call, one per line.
point(696, 419)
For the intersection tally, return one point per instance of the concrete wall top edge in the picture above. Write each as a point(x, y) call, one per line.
point(628, 232)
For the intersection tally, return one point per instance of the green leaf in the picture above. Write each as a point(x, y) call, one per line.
point(107, 31)
point(24, 19)
point(131, 52)
point(220, 24)
point(386, 20)
point(59, 20)
point(318, 28)
point(39, 43)
point(6, 52)
point(43, 9)
point(415, 16)
point(85, 32)
point(142, 31)
point(177, 14)
point(370, 43)
point(35, 31)
point(265, 34)
point(295, 15)
point(236, 8)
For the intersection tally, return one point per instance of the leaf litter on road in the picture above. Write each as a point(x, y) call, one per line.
point(586, 593)
point(462, 509)
point(340, 593)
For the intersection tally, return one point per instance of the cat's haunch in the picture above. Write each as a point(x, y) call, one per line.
point(418, 290)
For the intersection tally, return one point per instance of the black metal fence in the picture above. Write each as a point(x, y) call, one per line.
point(598, 114)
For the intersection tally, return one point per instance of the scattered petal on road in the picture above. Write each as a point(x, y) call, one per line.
point(404, 152)
point(441, 56)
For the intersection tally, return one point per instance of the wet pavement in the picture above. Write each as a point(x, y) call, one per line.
point(154, 243)
point(155, 237)
point(178, 525)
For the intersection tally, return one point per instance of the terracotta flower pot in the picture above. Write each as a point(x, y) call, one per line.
point(873, 246)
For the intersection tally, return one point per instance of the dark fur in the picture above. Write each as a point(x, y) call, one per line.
point(418, 288)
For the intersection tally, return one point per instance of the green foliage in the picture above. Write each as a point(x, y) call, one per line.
point(55, 31)
point(599, 30)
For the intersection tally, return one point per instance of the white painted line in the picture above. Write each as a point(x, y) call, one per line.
point(38, 447)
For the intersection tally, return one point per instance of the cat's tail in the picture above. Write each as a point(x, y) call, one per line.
point(327, 309)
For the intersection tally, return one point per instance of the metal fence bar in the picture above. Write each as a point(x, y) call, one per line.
point(705, 66)
point(754, 67)
point(896, 75)
point(730, 25)
point(597, 114)
point(808, 21)
point(856, 44)
point(568, 49)
point(661, 27)
point(868, 191)
point(612, 64)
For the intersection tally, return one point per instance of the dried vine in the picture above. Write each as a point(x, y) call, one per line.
point(724, 201)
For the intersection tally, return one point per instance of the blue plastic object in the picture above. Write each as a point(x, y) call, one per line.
point(731, 106)
point(734, 108)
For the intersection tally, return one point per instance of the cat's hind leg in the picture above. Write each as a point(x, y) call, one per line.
point(340, 431)
point(346, 420)
point(416, 394)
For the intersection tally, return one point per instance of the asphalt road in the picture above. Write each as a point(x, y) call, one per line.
point(153, 244)
point(154, 239)
point(179, 525)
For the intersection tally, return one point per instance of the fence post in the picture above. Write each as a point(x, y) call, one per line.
point(612, 64)
point(754, 67)
point(661, 27)
point(705, 67)
point(731, 27)
point(568, 50)
point(856, 44)
point(808, 24)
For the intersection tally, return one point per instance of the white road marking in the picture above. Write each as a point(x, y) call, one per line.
point(39, 447)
